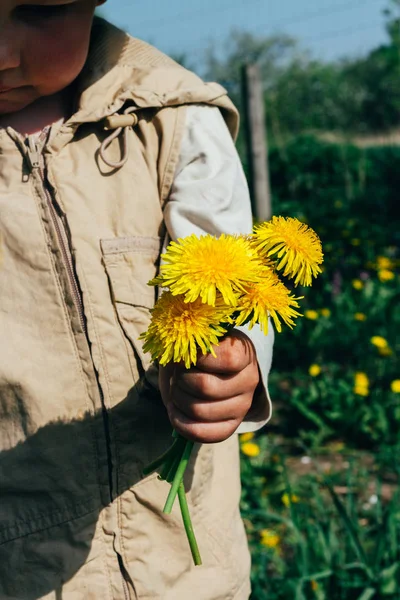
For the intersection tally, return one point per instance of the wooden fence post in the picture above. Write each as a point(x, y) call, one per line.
point(256, 142)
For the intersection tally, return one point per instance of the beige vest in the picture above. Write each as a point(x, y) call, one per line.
point(78, 420)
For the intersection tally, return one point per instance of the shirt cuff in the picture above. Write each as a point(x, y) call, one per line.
point(261, 410)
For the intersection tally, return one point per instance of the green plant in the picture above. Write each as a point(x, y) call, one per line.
point(333, 538)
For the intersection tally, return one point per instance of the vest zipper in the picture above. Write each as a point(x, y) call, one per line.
point(123, 575)
point(36, 163)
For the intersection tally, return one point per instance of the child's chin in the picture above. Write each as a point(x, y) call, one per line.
point(15, 100)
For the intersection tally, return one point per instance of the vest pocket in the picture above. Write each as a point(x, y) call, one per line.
point(130, 262)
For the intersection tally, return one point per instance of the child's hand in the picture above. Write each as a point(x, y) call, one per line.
point(207, 403)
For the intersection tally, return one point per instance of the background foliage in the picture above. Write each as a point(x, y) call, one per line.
point(321, 482)
point(333, 444)
point(359, 95)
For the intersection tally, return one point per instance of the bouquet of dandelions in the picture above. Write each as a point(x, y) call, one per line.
point(212, 285)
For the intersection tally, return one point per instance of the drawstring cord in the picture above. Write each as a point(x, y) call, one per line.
point(120, 123)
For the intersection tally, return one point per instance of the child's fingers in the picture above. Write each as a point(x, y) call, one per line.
point(215, 386)
point(202, 432)
point(228, 409)
point(165, 376)
point(233, 354)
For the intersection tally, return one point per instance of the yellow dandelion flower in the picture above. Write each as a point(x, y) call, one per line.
point(250, 449)
point(286, 500)
point(395, 386)
point(201, 266)
point(314, 585)
point(379, 341)
point(311, 314)
point(296, 246)
point(361, 379)
point(338, 204)
point(177, 329)
point(246, 437)
point(361, 390)
point(355, 242)
point(269, 538)
point(383, 262)
point(386, 351)
point(385, 275)
point(314, 370)
point(359, 316)
point(325, 312)
point(271, 298)
point(357, 284)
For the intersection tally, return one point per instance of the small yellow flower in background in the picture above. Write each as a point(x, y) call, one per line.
point(361, 391)
point(311, 314)
point(293, 499)
point(250, 449)
point(199, 266)
point(361, 379)
point(383, 262)
point(296, 246)
point(246, 437)
point(379, 341)
point(269, 298)
point(270, 538)
point(385, 275)
point(359, 316)
point(314, 585)
point(325, 312)
point(338, 204)
point(314, 370)
point(357, 284)
point(361, 384)
point(355, 242)
point(386, 351)
point(178, 329)
point(395, 386)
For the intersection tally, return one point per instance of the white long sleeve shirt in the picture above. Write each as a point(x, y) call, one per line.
point(210, 195)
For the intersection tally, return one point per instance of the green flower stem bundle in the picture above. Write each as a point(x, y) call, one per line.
point(212, 285)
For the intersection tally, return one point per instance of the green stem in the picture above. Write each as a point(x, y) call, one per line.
point(188, 525)
point(170, 462)
point(166, 466)
point(178, 477)
point(161, 459)
point(175, 465)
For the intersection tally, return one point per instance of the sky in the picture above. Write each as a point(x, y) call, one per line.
point(330, 29)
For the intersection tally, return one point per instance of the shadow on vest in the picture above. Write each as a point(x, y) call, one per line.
point(51, 538)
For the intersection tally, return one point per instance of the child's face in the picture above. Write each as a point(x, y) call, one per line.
point(43, 47)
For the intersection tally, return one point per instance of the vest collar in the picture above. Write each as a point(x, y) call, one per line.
point(122, 69)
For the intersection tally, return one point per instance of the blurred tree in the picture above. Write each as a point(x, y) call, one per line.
point(376, 78)
point(272, 54)
point(302, 94)
point(307, 95)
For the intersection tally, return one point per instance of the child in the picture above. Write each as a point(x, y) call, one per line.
point(107, 147)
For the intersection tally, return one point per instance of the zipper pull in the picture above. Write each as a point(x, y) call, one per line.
point(34, 155)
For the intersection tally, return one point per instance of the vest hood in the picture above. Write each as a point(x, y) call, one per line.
point(122, 69)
